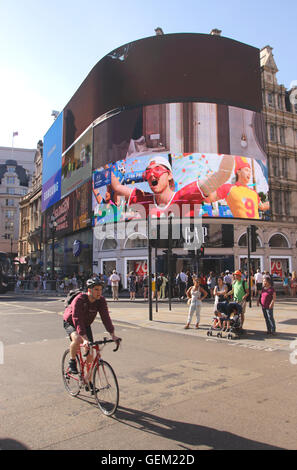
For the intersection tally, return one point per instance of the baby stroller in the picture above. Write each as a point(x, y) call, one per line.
point(227, 319)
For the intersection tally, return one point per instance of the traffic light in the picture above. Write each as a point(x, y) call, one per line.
point(253, 237)
point(200, 252)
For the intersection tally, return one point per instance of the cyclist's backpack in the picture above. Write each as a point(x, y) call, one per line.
point(71, 296)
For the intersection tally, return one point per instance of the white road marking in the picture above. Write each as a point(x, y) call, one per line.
point(17, 306)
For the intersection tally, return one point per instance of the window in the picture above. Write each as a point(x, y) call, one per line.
point(287, 202)
point(282, 135)
point(11, 169)
point(278, 241)
point(270, 99)
point(275, 165)
point(10, 179)
point(10, 214)
point(280, 101)
point(10, 191)
point(109, 244)
point(278, 203)
point(136, 241)
point(272, 133)
point(10, 202)
point(243, 241)
point(285, 167)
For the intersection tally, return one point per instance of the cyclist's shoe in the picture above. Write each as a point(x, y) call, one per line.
point(90, 388)
point(72, 366)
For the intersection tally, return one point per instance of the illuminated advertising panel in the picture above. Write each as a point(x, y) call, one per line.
point(72, 213)
point(200, 158)
point(51, 164)
point(82, 206)
point(162, 69)
point(77, 163)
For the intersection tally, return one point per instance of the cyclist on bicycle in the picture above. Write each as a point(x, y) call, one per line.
point(79, 316)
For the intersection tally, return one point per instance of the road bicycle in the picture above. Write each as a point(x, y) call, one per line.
point(104, 385)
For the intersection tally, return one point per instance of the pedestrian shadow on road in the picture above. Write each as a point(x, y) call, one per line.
point(257, 335)
point(188, 435)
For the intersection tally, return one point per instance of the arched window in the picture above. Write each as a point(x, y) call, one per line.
point(109, 244)
point(243, 241)
point(278, 241)
point(136, 240)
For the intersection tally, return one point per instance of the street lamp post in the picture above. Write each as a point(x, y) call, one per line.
point(53, 227)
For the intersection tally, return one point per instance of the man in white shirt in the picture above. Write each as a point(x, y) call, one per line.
point(115, 279)
point(228, 280)
point(258, 281)
point(181, 280)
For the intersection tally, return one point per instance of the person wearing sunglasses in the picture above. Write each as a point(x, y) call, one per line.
point(159, 177)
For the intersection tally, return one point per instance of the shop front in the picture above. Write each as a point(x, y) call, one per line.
point(73, 254)
point(280, 265)
point(68, 223)
point(256, 262)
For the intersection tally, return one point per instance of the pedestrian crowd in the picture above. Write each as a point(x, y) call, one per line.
point(195, 288)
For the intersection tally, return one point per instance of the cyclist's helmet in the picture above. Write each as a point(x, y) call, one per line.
point(93, 282)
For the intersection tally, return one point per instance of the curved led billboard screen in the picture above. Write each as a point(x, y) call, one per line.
point(166, 121)
point(196, 159)
point(163, 69)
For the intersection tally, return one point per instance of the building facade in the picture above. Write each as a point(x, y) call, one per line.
point(101, 127)
point(16, 171)
point(277, 250)
point(277, 236)
point(30, 233)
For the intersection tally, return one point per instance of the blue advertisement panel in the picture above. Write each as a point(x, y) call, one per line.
point(52, 164)
point(51, 191)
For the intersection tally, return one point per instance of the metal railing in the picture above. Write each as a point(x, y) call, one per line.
point(40, 286)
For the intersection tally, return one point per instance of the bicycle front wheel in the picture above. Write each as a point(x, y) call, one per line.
point(106, 388)
point(71, 381)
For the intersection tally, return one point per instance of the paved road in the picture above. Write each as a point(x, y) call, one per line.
point(179, 389)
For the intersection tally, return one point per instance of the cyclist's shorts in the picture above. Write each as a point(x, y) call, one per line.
point(71, 328)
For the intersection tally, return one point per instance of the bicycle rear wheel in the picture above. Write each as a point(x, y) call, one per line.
point(106, 388)
point(71, 381)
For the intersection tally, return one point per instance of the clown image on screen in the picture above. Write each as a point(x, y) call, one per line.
point(159, 176)
point(242, 199)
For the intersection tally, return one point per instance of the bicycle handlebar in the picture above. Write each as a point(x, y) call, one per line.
point(105, 341)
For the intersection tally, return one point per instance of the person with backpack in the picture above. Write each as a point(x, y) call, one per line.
point(240, 292)
point(80, 312)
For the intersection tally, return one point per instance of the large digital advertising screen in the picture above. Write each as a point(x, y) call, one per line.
point(167, 68)
point(72, 213)
point(196, 159)
point(52, 163)
point(77, 163)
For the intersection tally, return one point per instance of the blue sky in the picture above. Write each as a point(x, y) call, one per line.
point(49, 47)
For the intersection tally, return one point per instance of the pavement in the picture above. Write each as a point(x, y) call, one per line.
point(174, 320)
point(136, 313)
